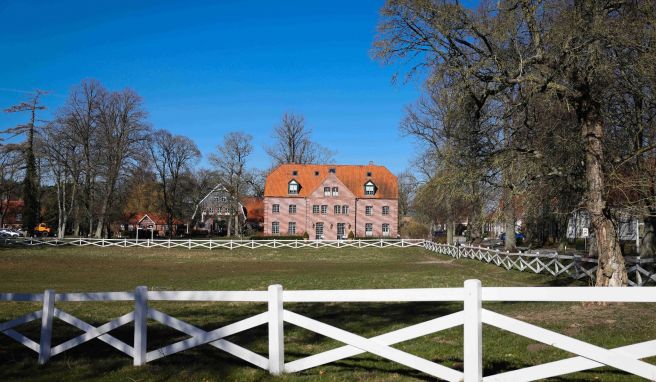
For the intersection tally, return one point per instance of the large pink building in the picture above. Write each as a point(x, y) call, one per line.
point(329, 201)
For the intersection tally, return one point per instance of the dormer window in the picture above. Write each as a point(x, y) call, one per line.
point(293, 187)
point(369, 188)
point(331, 170)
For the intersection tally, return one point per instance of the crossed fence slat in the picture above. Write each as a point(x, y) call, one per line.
point(626, 358)
point(552, 263)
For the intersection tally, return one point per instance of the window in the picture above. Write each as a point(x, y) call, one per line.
point(369, 188)
point(294, 173)
point(331, 170)
point(210, 210)
point(368, 229)
point(292, 228)
point(315, 209)
point(293, 188)
point(324, 209)
point(224, 198)
point(216, 199)
point(326, 191)
point(369, 174)
point(386, 230)
point(275, 208)
point(275, 228)
point(385, 210)
point(369, 210)
point(345, 209)
point(19, 217)
point(335, 191)
point(316, 173)
point(318, 231)
point(292, 208)
point(338, 210)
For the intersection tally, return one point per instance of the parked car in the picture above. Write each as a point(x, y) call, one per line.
point(518, 236)
point(7, 233)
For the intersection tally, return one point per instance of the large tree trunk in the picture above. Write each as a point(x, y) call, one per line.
point(611, 270)
point(450, 230)
point(648, 241)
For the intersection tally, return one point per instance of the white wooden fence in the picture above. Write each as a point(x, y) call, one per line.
point(214, 244)
point(626, 358)
point(640, 271)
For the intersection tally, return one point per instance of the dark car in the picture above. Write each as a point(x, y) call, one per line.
point(518, 236)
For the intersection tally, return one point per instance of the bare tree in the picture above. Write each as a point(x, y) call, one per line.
point(80, 115)
point(122, 132)
point(62, 162)
point(11, 170)
point(31, 182)
point(230, 161)
point(172, 156)
point(292, 143)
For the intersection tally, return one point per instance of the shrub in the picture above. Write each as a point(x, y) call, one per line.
point(306, 235)
point(350, 235)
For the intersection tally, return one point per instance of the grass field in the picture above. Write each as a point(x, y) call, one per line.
point(108, 269)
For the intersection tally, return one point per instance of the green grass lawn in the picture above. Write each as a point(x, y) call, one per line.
point(108, 269)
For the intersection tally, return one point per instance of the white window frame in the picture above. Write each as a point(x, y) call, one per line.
point(386, 229)
point(386, 210)
point(275, 208)
point(369, 188)
point(345, 209)
point(315, 209)
point(292, 188)
point(337, 209)
point(326, 191)
point(291, 228)
point(369, 229)
point(324, 209)
point(335, 191)
point(369, 210)
point(292, 208)
point(275, 228)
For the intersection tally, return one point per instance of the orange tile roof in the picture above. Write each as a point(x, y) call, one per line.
point(353, 176)
point(254, 208)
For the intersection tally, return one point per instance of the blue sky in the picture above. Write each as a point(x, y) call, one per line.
point(207, 68)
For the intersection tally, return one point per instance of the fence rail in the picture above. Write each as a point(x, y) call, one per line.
point(588, 356)
point(213, 244)
point(641, 271)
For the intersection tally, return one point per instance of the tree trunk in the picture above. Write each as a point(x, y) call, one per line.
point(229, 225)
point(611, 270)
point(648, 241)
point(450, 228)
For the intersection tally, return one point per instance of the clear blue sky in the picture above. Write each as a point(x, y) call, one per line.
point(207, 68)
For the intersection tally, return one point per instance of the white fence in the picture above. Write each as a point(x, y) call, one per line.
point(640, 271)
point(214, 244)
point(625, 358)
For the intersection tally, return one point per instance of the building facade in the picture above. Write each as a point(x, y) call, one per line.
point(330, 201)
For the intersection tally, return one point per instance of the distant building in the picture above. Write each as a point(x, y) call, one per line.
point(214, 210)
point(13, 214)
point(329, 201)
point(147, 222)
point(254, 211)
point(627, 225)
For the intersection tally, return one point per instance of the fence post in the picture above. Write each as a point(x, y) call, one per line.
point(276, 334)
point(140, 328)
point(46, 326)
point(473, 336)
